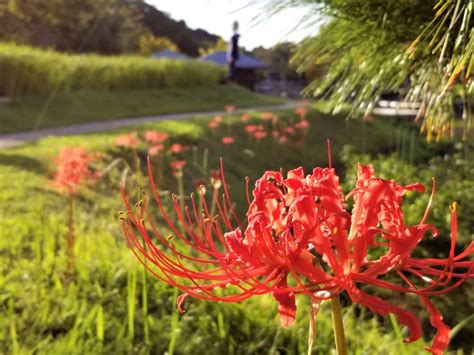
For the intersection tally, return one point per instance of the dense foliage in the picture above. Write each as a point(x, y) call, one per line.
point(278, 57)
point(24, 70)
point(148, 44)
point(189, 41)
point(370, 47)
point(106, 26)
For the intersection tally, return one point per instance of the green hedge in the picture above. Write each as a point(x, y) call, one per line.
point(28, 71)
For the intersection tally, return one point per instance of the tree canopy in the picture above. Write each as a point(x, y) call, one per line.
point(420, 48)
point(106, 26)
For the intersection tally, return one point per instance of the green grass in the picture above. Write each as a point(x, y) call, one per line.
point(94, 313)
point(62, 109)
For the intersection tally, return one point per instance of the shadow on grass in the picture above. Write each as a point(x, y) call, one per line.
point(23, 162)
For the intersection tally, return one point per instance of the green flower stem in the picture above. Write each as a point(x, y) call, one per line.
point(199, 208)
point(70, 238)
point(213, 202)
point(179, 179)
point(135, 161)
point(146, 332)
point(174, 327)
point(338, 326)
point(160, 169)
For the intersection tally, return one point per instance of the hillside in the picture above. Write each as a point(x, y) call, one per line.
point(188, 41)
point(90, 26)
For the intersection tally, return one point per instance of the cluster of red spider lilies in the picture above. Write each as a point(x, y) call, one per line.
point(74, 163)
point(270, 126)
point(298, 236)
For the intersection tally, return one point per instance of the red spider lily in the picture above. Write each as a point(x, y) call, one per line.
point(282, 139)
point(155, 149)
point(229, 108)
point(290, 130)
point(177, 148)
point(127, 140)
point(213, 124)
point(302, 125)
point(251, 128)
point(155, 137)
point(299, 239)
point(178, 165)
point(301, 111)
point(245, 117)
point(227, 140)
point(73, 169)
point(260, 135)
point(267, 116)
point(217, 118)
point(275, 134)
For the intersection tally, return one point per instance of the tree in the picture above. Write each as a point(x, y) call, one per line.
point(106, 26)
point(148, 44)
point(278, 57)
point(161, 25)
point(220, 45)
point(373, 46)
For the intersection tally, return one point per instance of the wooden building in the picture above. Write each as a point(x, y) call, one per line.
point(249, 69)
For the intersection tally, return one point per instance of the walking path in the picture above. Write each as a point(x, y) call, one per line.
point(15, 139)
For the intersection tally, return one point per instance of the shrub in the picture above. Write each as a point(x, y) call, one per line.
point(28, 71)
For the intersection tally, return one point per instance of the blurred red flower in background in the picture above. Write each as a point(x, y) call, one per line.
point(155, 137)
point(302, 125)
point(290, 130)
point(300, 239)
point(127, 140)
point(245, 117)
point(213, 124)
point(229, 108)
point(267, 116)
point(301, 111)
point(227, 140)
point(251, 128)
point(260, 135)
point(155, 149)
point(73, 169)
point(177, 148)
point(178, 165)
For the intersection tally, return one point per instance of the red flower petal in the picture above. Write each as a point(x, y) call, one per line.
point(179, 302)
point(379, 306)
point(286, 304)
point(441, 339)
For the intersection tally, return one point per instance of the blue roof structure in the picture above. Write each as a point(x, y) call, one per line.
point(167, 53)
point(244, 61)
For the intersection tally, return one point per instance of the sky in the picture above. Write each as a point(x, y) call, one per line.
point(217, 16)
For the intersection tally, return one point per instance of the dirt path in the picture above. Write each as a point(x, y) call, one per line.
point(15, 139)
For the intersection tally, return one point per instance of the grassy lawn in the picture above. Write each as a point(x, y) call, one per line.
point(92, 314)
point(62, 109)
